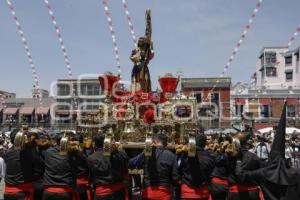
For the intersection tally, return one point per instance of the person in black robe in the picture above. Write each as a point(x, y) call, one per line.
point(38, 163)
point(196, 172)
point(224, 166)
point(59, 176)
point(244, 190)
point(160, 170)
point(19, 169)
point(277, 180)
point(108, 173)
point(79, 160)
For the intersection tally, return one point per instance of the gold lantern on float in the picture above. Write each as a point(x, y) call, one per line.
point(108, 143)
point(148, 143)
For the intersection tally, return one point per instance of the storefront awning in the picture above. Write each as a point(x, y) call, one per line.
point(42, 110)
point(11, 111)
point(265, 101)
point(240, 101)
point(292, 101)
point(26, 110)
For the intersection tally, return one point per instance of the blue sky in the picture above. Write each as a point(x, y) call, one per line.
point(194, 36)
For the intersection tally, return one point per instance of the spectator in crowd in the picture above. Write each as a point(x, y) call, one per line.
point(288, 153)
point(262, 150)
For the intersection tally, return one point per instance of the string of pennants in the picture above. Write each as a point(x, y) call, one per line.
point(113, 35)
point(238, 45)
point(130, 24)
point(60, 39)
point(27, 49)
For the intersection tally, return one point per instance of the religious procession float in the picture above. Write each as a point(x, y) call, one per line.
point(130, 116)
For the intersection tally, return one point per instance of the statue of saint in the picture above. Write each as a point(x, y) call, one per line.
point(141, 56)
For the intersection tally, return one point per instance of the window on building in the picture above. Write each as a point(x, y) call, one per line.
point(214, 98)
point(289, 60)
point(265, 111)
point(270, 57)
point(63, 90)
point(239, 110)
point(75, 90)
point(291, 111)
point(64, 104)
point(90, 89)
point(289, 76)
point(297, 56)
point(271, 71)
point(198, 97)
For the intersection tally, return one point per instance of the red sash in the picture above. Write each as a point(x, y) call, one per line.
point(84, 181)
point(157, 193)
point(102, 190)
point(62, 189)
point(21, 188)
point(237, 188)
point(189, 192)
point(220, 181)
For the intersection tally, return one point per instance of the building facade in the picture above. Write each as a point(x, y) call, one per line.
point(213, 98)
point(278, 68)
point(77, 96)
point(7, 95)
point(276, 80)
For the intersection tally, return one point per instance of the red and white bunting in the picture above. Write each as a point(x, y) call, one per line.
point(239, 43)
point(60, 39)
point(27, 50)
point(113, 35)
point(295, 34)
point(129, 19)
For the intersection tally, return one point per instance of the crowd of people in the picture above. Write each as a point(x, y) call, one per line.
point(67, 166)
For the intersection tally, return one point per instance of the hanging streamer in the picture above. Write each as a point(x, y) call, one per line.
point(129, 19)
point(62, 47)
point(60, 39)
point(296, 33)
point(113, 35)
point(28, 52)
point(239, 43)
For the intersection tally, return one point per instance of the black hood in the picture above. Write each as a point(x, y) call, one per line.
point(277, 170)
point(278, 145)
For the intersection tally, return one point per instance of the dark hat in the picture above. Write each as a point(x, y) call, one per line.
point(78, 137)
point(99, 140)
point(201, 140)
